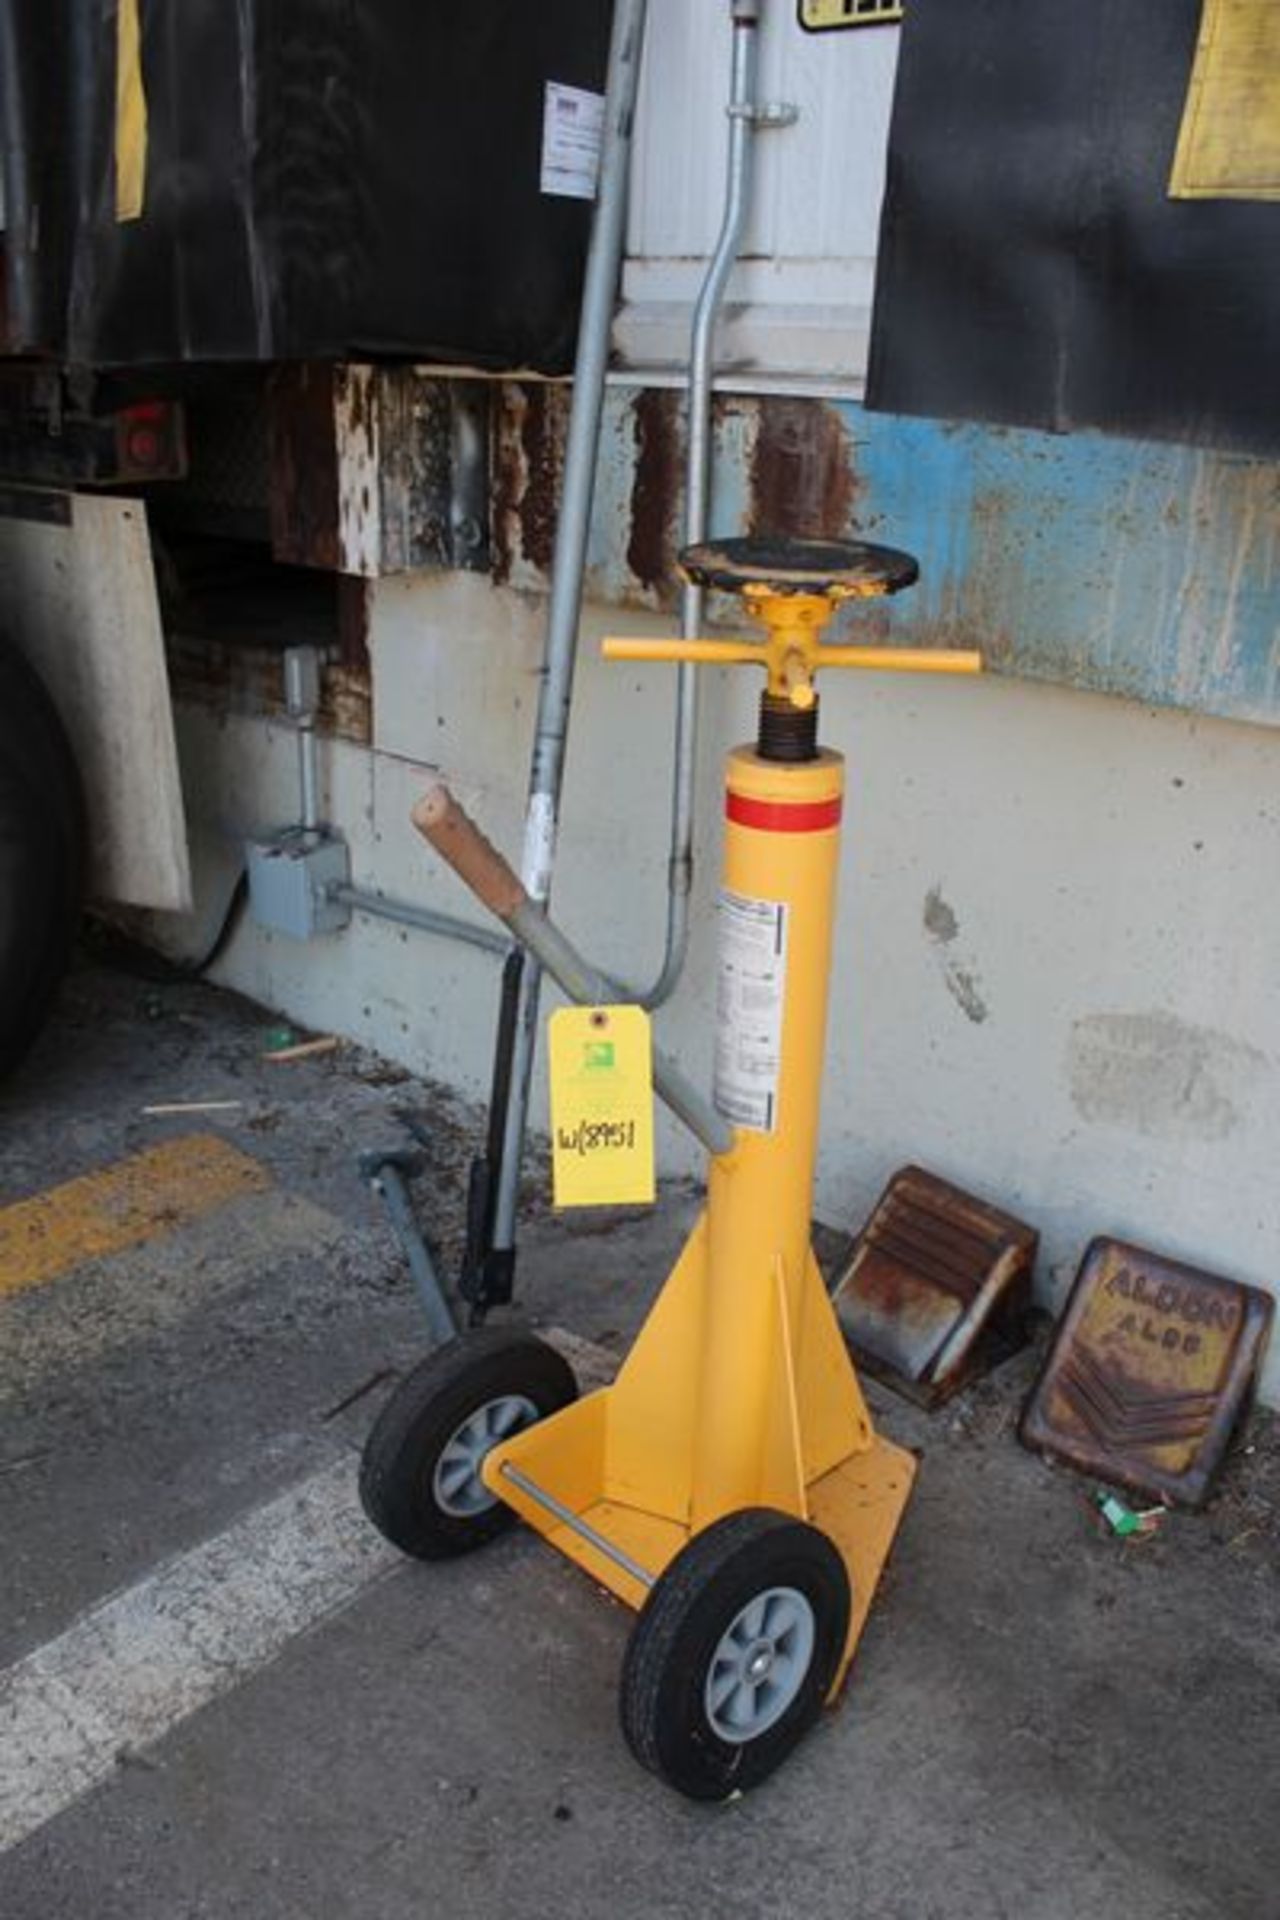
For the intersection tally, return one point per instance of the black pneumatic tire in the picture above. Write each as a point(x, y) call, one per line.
point(690, 1608)
point(425, 1412)
point(42, 854)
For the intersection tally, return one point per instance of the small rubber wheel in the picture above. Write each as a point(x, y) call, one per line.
point(420, 1478)
point(734, 1652)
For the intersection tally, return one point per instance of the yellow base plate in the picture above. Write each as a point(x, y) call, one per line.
point(858, 1505)
point(639, 1465)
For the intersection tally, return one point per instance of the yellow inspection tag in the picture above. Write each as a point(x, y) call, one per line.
point(601, 1062)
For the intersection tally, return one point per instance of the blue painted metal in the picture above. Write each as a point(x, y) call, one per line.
point(1125, 567)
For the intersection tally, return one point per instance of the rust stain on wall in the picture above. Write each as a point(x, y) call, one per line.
point(802, 480)
point(542, 436)
point(530, 423)
point(303, 456)
point(357, 436)
point(354, 598)
point(655, 487)
point(506, 480)
point(249, 680)
point(346, 703)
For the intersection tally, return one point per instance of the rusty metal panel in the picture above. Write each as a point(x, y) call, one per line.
point(303, 493)
point(357, 433)
point(1152, 1367)
point(937, 1286)
point(1176, 605)
point(378, 469)
point(530, 426)
point(248, 679)
point(432, 472)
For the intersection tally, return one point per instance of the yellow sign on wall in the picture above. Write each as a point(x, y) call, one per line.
point(601, 1063)
point(131, 114)
point(825, 16)
point(1229, 145)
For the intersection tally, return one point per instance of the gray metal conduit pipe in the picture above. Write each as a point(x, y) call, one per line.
point(448, 828)
point(604, 260)
point(586, 985)
point(742, 110)
point(302, 694)
point(425, 919)
point(570, 553)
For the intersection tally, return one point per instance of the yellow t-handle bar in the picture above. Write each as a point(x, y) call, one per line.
point(731, 653)
point(792, 651)
point(792, 655)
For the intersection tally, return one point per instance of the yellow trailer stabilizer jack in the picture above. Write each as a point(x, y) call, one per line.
point(737, 1413)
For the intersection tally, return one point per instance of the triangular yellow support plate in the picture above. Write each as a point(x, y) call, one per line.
point(624, 1460)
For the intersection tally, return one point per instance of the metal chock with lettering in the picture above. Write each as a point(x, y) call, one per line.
point(1150, 1373)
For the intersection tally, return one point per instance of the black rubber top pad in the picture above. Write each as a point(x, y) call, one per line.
point(837, 567)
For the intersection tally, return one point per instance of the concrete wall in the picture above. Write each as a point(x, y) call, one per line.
point(1059, 918)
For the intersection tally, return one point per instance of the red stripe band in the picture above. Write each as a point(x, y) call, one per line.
point(783, 816)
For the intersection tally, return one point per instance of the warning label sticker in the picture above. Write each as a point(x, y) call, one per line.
point(572, 135)
point(750, 995)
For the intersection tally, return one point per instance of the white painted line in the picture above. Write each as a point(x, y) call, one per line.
point(193, 1106)
point(133, 1667)
point(128, 1671)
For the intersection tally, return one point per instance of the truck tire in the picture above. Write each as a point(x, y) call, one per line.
point(42, 854)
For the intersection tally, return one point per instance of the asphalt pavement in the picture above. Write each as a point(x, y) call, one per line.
point(223, 1696)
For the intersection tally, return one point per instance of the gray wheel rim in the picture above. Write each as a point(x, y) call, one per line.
point(456, 1483)
point(759, 1665)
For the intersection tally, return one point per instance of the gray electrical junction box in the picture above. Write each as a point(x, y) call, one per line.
point(291, 876)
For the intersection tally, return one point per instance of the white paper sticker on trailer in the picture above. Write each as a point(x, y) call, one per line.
point(572, 135)
point(750, 996)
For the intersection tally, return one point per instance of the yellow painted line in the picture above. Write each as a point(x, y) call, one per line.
point(137, 1199)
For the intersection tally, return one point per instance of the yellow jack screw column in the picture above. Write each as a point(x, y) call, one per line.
point(782, 838)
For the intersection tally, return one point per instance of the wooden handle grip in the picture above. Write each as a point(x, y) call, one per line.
point(461, 845)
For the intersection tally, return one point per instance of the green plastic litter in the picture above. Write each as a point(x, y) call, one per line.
point(1120, 1518)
